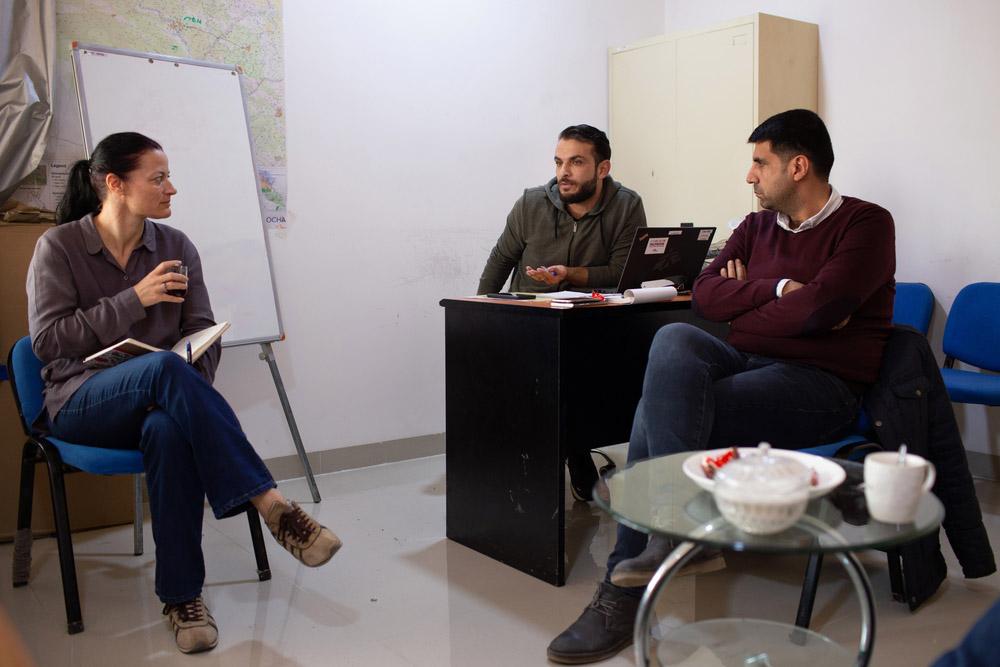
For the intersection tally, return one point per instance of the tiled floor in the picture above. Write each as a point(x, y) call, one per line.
point(400, 594)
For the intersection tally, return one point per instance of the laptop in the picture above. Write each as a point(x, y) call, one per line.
point(666, 253)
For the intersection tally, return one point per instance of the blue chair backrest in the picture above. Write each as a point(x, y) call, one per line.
point(972, 332)
point(26, 379)
point(913, 306)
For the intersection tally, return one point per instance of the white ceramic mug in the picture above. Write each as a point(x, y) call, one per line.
point(892, 490)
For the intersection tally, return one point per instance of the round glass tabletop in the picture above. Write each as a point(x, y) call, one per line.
point(655, 496)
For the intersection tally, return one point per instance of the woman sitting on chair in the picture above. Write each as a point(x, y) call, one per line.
point(108, 272)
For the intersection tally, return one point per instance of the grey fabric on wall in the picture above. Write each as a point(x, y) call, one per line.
point(27, 64)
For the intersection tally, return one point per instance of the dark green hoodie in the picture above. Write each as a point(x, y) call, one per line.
point(540, 232)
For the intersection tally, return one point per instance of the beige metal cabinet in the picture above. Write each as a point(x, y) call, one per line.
point(682, 106)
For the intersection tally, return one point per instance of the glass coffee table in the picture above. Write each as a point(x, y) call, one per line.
point(655, 496)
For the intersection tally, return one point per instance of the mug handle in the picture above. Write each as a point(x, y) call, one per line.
point(931, 476)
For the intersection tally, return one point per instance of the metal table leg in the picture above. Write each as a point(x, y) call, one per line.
point(674, 562)
point(864, 589)
point(862, 586)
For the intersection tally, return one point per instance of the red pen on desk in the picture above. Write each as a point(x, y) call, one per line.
point(597, 295)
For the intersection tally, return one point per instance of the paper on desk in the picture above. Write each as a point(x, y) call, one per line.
point(649, 294)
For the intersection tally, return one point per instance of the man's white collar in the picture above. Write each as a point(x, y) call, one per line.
point(832, 204)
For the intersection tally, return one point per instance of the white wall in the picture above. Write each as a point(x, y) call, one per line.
point(412, 128)
point(910, 90)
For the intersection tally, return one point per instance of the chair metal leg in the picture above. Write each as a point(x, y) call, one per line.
point(71, 593)
point(137, 520)
point(23, 538)
point(259, 551)
point(809, 584)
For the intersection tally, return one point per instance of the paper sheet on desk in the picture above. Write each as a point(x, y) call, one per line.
point(649, 294)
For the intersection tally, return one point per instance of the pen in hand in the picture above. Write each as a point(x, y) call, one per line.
point(188, 351)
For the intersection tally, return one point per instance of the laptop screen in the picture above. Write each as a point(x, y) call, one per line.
point(666, 253)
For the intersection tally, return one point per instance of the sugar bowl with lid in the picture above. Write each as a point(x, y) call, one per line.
point(761, 493)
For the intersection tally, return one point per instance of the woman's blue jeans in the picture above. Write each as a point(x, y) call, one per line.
point(700, 392)
point(192, 447)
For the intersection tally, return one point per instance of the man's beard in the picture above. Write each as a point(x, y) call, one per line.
point(585, 192)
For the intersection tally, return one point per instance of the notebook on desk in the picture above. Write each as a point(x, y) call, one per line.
point(666, 253)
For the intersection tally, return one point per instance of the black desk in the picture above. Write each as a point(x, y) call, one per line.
point(525, 385)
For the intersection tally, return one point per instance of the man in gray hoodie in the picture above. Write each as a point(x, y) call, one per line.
point(574, 232)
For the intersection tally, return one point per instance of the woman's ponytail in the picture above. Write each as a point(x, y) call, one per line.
point(80, 197)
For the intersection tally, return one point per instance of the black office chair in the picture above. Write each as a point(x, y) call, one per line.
point(61, 457)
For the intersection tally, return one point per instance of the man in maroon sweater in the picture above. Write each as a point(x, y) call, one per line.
point(807, 288)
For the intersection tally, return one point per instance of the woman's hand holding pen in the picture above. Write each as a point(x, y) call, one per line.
point(153, 288)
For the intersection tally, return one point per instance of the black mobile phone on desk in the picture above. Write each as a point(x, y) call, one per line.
point(508, 295)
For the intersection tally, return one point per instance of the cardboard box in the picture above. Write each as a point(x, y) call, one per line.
point(93, 500)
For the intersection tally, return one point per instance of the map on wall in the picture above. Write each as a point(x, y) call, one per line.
point(244, 33)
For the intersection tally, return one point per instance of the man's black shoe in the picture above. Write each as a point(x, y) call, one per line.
point(603, 629)
point(582, 475)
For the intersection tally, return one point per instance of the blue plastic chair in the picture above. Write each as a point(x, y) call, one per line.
point(972, 336)
point(913, 306)
point(61, 457)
